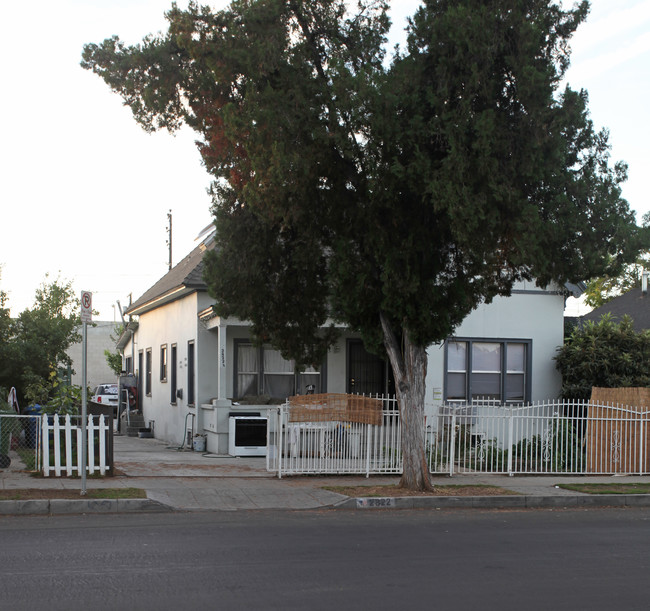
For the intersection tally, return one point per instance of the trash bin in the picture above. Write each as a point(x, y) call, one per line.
point(199, 443)
point(31, 425)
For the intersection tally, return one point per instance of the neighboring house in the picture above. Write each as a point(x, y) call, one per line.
point(635, 304)
point(98, 339)
point(195, 369)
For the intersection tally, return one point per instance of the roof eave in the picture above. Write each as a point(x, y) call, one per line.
point(127, 334)
point(172, 295)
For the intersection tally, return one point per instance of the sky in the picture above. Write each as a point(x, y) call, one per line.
point(85, 192)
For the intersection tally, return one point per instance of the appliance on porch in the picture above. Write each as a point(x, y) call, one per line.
point(247, 434)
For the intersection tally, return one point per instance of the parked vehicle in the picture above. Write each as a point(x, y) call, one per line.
point(106, 394)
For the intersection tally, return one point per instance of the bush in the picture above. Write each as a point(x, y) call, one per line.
point(66, 400)
point(605, 354)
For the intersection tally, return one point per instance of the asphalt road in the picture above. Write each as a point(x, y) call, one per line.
point(569, 559)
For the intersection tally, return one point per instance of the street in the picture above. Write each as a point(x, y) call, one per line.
point(565, 559)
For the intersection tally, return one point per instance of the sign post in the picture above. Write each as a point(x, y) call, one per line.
point(86, 317)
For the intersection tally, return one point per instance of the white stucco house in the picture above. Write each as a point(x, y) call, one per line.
point(196, 369)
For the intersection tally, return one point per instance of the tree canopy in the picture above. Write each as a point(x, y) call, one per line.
point(33, 345)
point(391, 194)
point(602, 289)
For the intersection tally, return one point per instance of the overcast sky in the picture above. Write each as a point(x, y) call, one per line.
point(85, 192)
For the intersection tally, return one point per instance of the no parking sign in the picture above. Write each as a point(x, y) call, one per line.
point(86, 306)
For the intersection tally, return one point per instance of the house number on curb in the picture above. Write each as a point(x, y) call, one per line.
point(378, 502)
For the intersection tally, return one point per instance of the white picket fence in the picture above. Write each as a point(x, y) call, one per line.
point(66, 434)
point(553, 437)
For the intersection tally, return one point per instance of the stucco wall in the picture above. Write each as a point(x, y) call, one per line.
point(98, 340)
point(176, 323)
point(529, 314)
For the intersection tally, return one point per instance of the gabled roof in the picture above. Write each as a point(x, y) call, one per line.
point(634, 303)
point(184, 278)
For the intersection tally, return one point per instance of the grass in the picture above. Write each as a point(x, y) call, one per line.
point(29, 494)
point(630, 488)
point(28, 457)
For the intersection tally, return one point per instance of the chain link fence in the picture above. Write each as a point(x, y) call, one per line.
point(20, 442)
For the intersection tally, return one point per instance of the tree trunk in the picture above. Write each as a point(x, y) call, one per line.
point(410, 370)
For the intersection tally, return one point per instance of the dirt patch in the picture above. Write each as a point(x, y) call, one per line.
point(136, 469)
point(631, 488)
point(392, 490)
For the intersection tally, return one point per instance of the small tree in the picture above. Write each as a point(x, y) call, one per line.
point(114, 358)
point(605, 354)
point(37, 340)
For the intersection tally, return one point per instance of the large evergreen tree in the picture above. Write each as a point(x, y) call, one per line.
point(391, 196)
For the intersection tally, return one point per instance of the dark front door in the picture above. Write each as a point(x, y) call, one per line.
point(367, 373)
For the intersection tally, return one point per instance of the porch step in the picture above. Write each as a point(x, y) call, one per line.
point(136, 422)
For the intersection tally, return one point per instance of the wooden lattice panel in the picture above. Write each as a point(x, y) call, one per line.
point(335, 407)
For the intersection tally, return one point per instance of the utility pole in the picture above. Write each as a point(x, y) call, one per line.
point(169, 239)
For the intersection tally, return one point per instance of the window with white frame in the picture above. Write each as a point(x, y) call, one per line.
point(261, 370)
point(173, 371)
point(147, 383)
point(497, 370)
point(163, 363)
point(191, 374)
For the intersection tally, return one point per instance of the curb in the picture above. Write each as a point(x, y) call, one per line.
point(83, 506)
point(71, 506)
point(496, 502)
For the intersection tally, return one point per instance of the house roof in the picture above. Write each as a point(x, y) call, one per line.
point(634, 303)
point(184, 278)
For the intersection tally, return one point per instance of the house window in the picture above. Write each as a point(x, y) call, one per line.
point(190, 373)
point(163, 363)
point(147, 380)
point(494, 370)
point(263, 371)
point(128, 364)
point(173, 357)
point(140, 372)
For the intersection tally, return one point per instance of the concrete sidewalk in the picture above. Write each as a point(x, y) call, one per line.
point(178, 479)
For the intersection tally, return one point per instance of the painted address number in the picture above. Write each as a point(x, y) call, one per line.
point(376, 502)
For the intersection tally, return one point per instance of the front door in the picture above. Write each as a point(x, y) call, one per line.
point(367, 373)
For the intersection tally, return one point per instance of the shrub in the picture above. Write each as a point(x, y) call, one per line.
point(605, 354)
